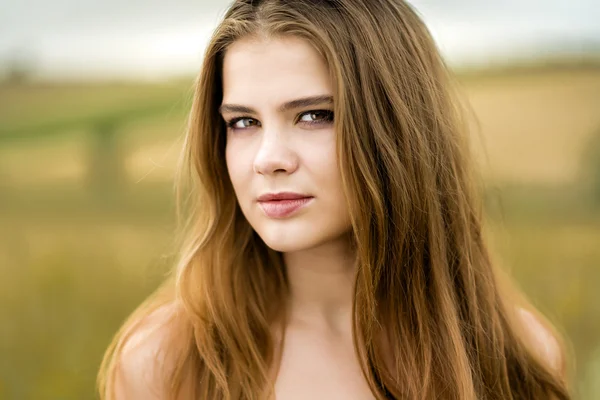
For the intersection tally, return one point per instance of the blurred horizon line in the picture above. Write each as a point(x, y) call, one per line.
point(550, 62)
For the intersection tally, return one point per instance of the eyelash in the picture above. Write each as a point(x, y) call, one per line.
point(327, 119)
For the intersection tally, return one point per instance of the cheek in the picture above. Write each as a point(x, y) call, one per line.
point(327, 179)
point(322, 161)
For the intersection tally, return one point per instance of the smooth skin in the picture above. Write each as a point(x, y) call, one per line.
point(272, 148)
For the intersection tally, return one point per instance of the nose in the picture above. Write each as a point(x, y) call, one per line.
point(275, 155)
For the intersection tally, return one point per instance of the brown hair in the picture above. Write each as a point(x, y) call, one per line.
point(426, 295)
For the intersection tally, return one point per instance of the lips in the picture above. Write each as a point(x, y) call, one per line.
point(282, 196)
point(283, 204)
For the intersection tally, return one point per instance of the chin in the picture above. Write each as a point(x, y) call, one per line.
point(287, 243)
point(288, 235)
point(292, 236)
point(298, 233)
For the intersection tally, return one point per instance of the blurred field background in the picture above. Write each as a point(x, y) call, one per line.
point(87, 211)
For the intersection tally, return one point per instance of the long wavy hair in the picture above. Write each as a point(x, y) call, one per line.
point(431, 318)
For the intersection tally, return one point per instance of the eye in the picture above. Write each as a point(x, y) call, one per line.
point(241, 123)
point(316, 117)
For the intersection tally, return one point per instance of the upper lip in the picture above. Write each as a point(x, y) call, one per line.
point(282, 196)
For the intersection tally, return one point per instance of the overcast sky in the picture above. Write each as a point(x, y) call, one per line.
point(151, 38)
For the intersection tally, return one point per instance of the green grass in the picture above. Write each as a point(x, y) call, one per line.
point(60, 106)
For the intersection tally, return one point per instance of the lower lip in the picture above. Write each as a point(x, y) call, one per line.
point(283, 208)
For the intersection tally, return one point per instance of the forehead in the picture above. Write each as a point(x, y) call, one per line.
point(272, 71)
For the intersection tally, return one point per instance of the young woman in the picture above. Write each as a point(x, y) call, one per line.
point(334, 247)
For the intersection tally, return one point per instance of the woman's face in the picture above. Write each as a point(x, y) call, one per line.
point(278, 105)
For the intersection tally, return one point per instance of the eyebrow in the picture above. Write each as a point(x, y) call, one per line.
point(290, 105)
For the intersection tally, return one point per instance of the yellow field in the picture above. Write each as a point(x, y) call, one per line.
point(534, 127)
point(77, 256)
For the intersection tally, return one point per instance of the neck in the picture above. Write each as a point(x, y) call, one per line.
point(321, 282)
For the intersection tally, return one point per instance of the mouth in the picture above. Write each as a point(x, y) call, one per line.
point(284, 204)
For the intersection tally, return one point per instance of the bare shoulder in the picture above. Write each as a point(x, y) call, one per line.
point(143, 363)
point(542, 340)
